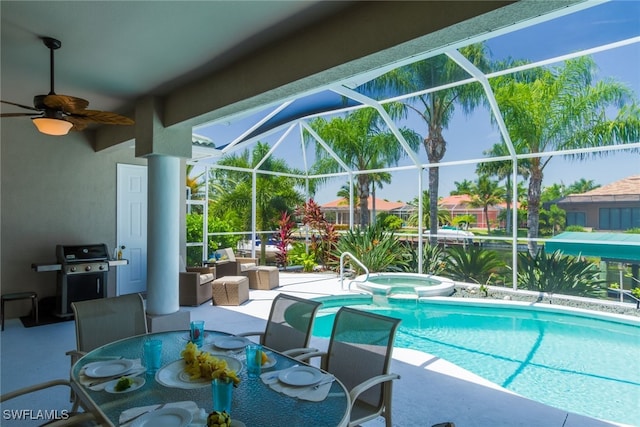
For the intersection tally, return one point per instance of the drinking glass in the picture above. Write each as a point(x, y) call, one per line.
point(222, 391)
point(197, 332)
point(152, 355)
point(254, 360)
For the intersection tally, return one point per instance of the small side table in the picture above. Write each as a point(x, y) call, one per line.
point(19, 296)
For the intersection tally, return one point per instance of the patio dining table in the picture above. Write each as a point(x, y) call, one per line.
point(254, 403)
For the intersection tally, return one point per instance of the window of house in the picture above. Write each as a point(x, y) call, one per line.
point(618, 218)
point(577, 218)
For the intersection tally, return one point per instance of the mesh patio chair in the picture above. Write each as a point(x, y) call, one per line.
point(289, 325)
point(71, 419)
point(104, 320)
point(359, 355)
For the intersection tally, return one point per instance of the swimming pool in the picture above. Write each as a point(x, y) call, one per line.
point(580, 364)
point(404, 285)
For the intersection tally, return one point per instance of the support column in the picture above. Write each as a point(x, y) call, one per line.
point(163, 148)
point(163, 234)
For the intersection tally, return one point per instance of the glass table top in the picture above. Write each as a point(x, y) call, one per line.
point(254, 403)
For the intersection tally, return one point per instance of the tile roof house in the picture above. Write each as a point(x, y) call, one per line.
point(341, 209)
point(458, 205)
point(612, 207)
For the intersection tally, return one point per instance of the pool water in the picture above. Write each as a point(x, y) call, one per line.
point(583, 365)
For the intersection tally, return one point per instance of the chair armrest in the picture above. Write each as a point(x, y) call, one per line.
point(201, 270)
point(295, 352)
point(75, 355)
point(76, 419)
point(304, 357)
point(365, 385)
point(251, 334)
point(31, 389)
point(246, 260)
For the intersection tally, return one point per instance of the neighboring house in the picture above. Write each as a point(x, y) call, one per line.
point(612, 207)
point(459, 205)
point(341, 209)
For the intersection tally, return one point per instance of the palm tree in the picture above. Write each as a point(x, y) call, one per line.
point(562, 108)
point(444, 217)
point(462, 187)
point(484, 193)
point(274, 194)
point(194, 183)
point(581, 186)
point(345, 193)
point(363, 143)
point(502, 170)
point(436, 108)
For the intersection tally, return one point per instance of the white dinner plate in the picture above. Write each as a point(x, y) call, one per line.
point(137, 383)
point(108, 368)
point(173, 375)
point(165, 417)
point(231, 343)
point(301, 376)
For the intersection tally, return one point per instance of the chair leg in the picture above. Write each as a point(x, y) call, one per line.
point(387, 403)
point(34, 307)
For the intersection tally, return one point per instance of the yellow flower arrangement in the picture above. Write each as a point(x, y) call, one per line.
point(201, 364)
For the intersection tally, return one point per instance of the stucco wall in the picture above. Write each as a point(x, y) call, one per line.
point(54, 190)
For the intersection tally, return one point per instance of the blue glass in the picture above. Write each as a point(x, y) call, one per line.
point(222, 392)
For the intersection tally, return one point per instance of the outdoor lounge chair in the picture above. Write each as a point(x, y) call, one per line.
point(289, 325)
point(359, 355)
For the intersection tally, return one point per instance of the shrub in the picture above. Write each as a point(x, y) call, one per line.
point(376, 248)
point(557, 273)
point(472, 264)
point(433, 259)
point(577, 228)
point(298, 255)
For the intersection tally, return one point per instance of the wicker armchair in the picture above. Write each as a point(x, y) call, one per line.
point(195, 285)
point(231, 265)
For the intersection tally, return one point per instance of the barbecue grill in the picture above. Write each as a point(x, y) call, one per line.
point(81, 274)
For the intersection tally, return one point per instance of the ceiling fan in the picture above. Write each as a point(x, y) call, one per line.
point(58, 114)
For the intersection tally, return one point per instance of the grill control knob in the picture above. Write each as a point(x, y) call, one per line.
point(72, 269)
point(87, 268)
point(101, 267)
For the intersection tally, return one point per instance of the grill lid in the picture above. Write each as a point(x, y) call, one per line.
point(82, 253)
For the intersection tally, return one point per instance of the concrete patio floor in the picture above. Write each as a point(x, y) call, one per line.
point(430, 390)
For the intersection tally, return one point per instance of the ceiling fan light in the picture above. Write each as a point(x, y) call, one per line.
point(51, 126)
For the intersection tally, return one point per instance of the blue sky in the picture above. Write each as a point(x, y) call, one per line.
point(467, 137)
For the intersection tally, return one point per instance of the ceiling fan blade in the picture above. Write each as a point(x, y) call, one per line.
point(66, 103)
point(104, 117)
point(20, 105)
point(19, 114)
point(79, 123)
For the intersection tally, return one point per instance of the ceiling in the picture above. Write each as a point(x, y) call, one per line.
point(207, 59)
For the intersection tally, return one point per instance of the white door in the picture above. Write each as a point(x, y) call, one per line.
point(131, 224)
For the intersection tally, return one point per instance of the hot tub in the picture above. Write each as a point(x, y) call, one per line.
point(404, 284)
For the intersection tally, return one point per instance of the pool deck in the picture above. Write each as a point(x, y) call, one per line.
point(430, 390)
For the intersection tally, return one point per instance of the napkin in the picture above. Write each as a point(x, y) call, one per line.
point(85, 380)
point(310, 393)
point(199, 415)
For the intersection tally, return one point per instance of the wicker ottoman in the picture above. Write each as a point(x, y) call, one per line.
point(230, 290)
point(263, 277)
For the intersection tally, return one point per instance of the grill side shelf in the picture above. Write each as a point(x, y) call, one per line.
point(41, 268)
